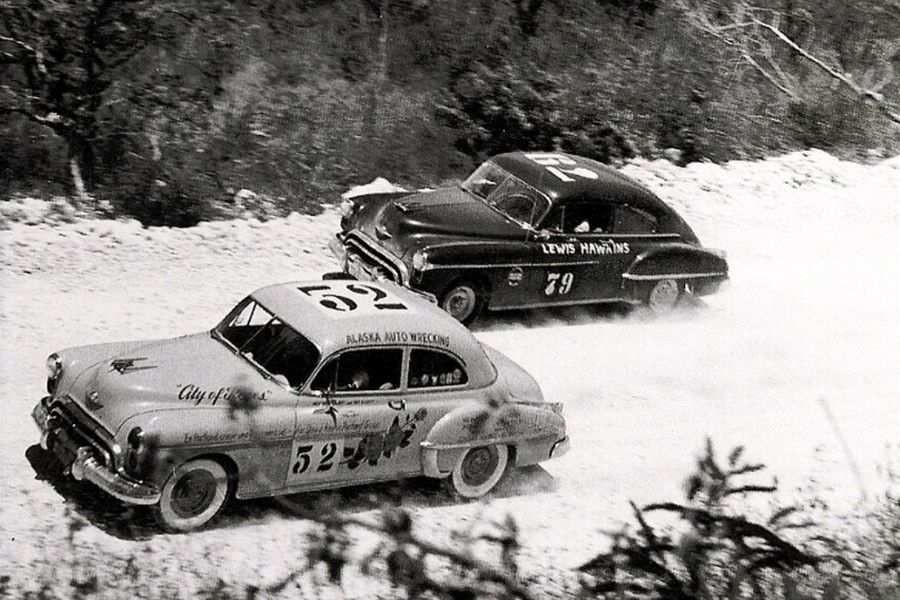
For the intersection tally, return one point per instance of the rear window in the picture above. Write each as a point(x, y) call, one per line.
point(430, 368)
point(634, 220)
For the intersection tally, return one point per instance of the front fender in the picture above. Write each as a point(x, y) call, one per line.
point(677, 261)
point(486, 262)
point(257, 444)
point(527, 428)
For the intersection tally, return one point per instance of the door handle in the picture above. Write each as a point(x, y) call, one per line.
point(398, 404)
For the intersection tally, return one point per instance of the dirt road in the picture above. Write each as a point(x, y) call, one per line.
point(797, 360)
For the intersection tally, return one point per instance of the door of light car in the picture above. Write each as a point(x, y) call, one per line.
point(347, 429)
point(436, 383)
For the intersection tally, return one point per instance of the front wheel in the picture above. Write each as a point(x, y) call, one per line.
point(463, 301)
point(193, 495)
point(663, 295)
point(478, 470)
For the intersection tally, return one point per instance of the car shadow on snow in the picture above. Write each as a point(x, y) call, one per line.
point(414, 493)
point(112, 516)
point(137, 523)
point(606, 312)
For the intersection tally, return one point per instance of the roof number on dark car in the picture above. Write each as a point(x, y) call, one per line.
point(555, 163)
point(361, 297)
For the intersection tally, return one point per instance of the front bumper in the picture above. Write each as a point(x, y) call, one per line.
point(82, 462)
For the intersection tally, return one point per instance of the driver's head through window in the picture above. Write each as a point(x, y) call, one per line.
point(587, 217)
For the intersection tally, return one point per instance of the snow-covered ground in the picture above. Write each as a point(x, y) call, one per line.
point(798, 360)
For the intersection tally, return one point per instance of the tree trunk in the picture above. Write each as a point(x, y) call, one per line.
point(378, 77)
point(81, 167)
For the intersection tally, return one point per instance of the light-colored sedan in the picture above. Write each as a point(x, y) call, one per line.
point(302, 386)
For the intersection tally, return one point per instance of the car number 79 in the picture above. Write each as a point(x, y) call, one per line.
point(559, 284)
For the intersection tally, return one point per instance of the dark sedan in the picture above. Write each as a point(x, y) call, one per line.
point(527, 230)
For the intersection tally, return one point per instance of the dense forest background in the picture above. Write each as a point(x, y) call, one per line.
point(164, 109)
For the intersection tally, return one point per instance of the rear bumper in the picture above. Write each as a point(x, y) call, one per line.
point(82, 463)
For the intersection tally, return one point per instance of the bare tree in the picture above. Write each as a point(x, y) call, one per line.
point(64, 62)
point(758, 35)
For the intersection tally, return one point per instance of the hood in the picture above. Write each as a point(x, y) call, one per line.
point(164, 375)
point(443, 212)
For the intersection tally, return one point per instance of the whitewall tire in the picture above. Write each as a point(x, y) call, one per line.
point(664, 295)
point(193, 495)
point(478, 470)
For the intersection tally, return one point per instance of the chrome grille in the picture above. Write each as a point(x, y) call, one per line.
point(75, 429)
point(375, 261)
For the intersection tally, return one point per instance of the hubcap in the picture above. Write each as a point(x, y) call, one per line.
point(460, 302)
point(664, 295)
point(193, 493)
point(479, 465)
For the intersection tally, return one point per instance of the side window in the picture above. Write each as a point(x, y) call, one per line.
point(588, 217)
point(377, 369)
point(634, 220)
point(428, 368)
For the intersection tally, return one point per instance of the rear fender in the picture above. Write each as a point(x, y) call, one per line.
point(526, 428)
point(676, 261)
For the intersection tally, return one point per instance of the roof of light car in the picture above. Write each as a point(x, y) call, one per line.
point(609, 185)
point(339, 314)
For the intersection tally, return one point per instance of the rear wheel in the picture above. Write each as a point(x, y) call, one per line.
point(463, 301)
point(663, 295)
point(478, 470)
point(193, 495)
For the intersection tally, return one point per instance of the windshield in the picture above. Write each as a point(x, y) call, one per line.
point(267, 342)
point(507, 193)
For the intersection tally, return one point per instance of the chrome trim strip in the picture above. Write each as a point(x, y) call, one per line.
point(673, 276)
point(574, 263)
point(531, 239)
point(564, 303)
point(78, 423)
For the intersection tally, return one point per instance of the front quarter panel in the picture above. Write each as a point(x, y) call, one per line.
point(255, 445)
point(503, 268)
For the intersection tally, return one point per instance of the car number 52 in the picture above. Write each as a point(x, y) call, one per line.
point(312, 459)
point(559, 284)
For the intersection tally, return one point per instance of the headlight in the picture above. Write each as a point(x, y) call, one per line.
point(420, 261)
point(346, 207)
point(54, 371)
point(135, 438)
